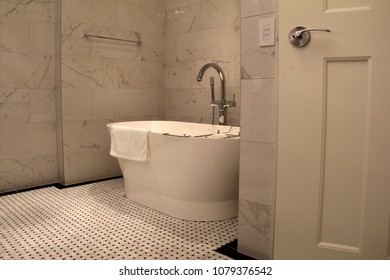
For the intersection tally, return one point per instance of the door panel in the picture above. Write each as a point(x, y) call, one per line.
point(340, 226)
point(333, 179)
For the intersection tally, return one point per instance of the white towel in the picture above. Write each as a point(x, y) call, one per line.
point(129, 143)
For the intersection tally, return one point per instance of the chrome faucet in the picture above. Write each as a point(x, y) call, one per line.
point(221, 104)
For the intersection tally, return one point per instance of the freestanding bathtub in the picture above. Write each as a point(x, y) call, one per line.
point(192, 171)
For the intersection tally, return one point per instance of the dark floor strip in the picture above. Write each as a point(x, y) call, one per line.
point(61, 186)
point(230, 250)
point(58, 186)
point(25, 190)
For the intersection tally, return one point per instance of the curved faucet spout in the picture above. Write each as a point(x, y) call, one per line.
point(220, 73)
point(222, 104)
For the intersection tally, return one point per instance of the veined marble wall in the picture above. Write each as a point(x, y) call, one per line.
point(258, 133)
point(27, 107)
point(94, 82)
point(105, 81)
point(198, 32)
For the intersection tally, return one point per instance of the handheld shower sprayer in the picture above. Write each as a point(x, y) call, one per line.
point(212, 89)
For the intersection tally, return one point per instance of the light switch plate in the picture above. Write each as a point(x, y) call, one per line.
point(267, 32)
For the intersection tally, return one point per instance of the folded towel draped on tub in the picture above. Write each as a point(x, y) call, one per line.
point(129, 143)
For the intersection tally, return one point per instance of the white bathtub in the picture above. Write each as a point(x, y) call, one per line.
point(188, 176)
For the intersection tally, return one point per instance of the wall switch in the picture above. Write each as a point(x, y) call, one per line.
point(267, 32)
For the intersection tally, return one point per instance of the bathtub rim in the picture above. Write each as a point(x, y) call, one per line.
point(233, 132)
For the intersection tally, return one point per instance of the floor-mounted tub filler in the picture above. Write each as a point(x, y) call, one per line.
point(186, 170)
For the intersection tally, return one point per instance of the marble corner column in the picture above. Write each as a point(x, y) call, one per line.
point(27, 101)
point(258, 133)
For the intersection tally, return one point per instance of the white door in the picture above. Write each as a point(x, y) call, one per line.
point(333, 176)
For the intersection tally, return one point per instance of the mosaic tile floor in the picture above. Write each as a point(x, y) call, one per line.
point(96, 222)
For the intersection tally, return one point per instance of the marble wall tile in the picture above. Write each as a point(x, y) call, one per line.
point(85, 136)
point(14, 139)
point(92, 72)
point(255, 229)
point(105, 165)
point(43, 107)
point(139, 75)
point(171, 4)
point(43, 10)
point(76, 104)
point(78, 167)
point(257, 7)
point(117, 104)
point(140, 18)
point(102, 106)
point(170, 49)
point(14, 105)
point(14, 35)
point(180, 19)
point(257, 172)
point(152, 3)
point(174, 104)
point(14, 95)
point(85, 72)
point(196, 105)
point(229, 40)
point(201, 15)
point(15, 173)
point(153, 103)
point(45, 169)
point(95, 12)
point(217, 13)
point(42, 37)
point(152, 49)
point(180, 74)
point(37, 71)
point(126, 104)
point(43, 138)
point(77, 29)
point(70, 38)
point(254, 57)
point(258, 119)
point(198, 45)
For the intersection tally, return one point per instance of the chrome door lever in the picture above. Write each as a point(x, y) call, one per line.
point(299, 36)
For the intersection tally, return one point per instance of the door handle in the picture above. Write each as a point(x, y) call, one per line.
point(299, 36)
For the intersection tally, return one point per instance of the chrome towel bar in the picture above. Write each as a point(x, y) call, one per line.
point(86, 36)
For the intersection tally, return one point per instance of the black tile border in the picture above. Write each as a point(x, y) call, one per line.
point(26, 190)
point(61, 186)
point(58, 186)
point(230, 250)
